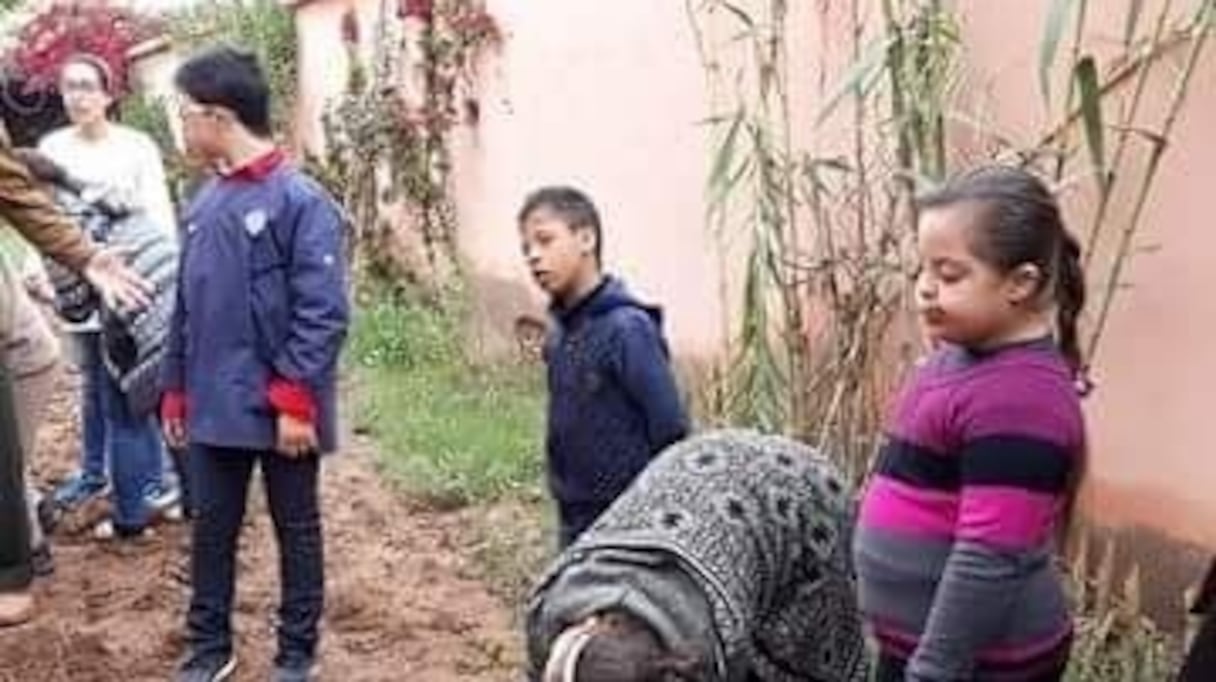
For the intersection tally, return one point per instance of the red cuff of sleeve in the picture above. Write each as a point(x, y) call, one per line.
point(173, 406)
point(293, 399)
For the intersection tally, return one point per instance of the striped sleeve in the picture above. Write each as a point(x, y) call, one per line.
point(1020, 442)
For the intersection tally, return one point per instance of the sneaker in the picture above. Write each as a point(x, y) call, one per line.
point(162, 497)
point(108, 530)
point(206, 668)
point(300, 671)
point(78, 489)
point(16, 608)
point(42, 561)
point(165, 502)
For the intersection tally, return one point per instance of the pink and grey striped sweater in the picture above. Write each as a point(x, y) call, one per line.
point(956, 533)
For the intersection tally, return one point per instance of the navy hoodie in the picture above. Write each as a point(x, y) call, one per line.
point(613, 402)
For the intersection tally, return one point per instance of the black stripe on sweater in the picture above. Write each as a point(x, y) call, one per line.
point(1018, 462)
point(919, 466)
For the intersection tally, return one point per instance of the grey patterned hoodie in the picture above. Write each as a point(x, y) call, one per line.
point(732, 545)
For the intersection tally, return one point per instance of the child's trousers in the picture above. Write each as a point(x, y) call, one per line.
point(220, 481)
point(15, 570)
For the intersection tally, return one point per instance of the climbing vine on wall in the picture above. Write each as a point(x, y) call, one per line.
point(388, 142)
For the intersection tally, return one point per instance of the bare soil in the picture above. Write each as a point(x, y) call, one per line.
point(402, 599)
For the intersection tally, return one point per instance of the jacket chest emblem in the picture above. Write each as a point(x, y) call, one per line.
point(255, 222)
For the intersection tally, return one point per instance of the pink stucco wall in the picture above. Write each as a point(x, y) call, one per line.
point(608, 96)
point(1151, 461)
point(605, 96)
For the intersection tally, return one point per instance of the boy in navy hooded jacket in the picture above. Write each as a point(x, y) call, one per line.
point(250, 372)
point(613, 401)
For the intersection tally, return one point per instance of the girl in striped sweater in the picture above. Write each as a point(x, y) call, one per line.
point(984, 447)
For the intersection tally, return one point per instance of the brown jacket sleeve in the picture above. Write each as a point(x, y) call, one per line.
point(28, 209)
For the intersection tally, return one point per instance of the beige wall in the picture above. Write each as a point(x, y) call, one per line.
point(608, 96)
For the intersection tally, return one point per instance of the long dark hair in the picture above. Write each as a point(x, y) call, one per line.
point(1022, 225)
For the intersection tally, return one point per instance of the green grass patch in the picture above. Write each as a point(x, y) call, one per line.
point(449, 430)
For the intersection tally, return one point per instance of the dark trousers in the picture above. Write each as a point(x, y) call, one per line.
point(573, 519)
point(1200, 663)
point(891, 669)
point(15, 571)
point(219, 480)
point(181, 467)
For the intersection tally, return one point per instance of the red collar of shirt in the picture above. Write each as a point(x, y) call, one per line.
point(259, 168)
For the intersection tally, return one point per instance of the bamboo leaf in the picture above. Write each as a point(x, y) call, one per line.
point(859, 77)
point(726, 152)
point(743, 16)
point(1091, 114)
point(1134, 10)
point(1057, 21)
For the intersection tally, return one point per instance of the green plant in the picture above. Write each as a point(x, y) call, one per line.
point(1114, 641)
point(825, 235)
point(451, 431)
point(385, 147)
point(1093, 91)
point(828, 233)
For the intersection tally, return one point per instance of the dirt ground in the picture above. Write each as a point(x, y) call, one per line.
point(401, 600)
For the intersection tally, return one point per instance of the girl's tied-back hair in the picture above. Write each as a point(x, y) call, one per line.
point(617, 647)
point(1022, 225)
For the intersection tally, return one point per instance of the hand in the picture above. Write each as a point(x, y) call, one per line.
point(119, 286)
point(40, 289)
point(296, 438)
point(175, 433)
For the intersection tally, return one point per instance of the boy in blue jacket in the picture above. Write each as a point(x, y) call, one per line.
point(613, 401)
point(250, 375)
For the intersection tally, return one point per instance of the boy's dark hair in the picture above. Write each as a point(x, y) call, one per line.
point(231, 78)
point(572, 206)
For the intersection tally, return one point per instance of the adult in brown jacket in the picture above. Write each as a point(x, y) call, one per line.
point(24, 207)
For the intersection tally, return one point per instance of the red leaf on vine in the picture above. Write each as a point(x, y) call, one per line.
point(53, 36)
point(350, 28)
point(421, 9)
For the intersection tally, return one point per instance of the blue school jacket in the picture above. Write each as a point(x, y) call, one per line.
point(261, 296)
point(613, 401)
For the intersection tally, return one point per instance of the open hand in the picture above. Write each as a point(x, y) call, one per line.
point(296, 438)
point(117, 284)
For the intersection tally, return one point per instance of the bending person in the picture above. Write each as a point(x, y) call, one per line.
point(727, 560)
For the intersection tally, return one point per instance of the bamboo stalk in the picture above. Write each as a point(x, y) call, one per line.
point(1128, 118)
point(1202, 30)
point(1075, 56)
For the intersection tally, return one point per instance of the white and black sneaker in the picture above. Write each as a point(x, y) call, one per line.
point(165, 503)
point(211, 667)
